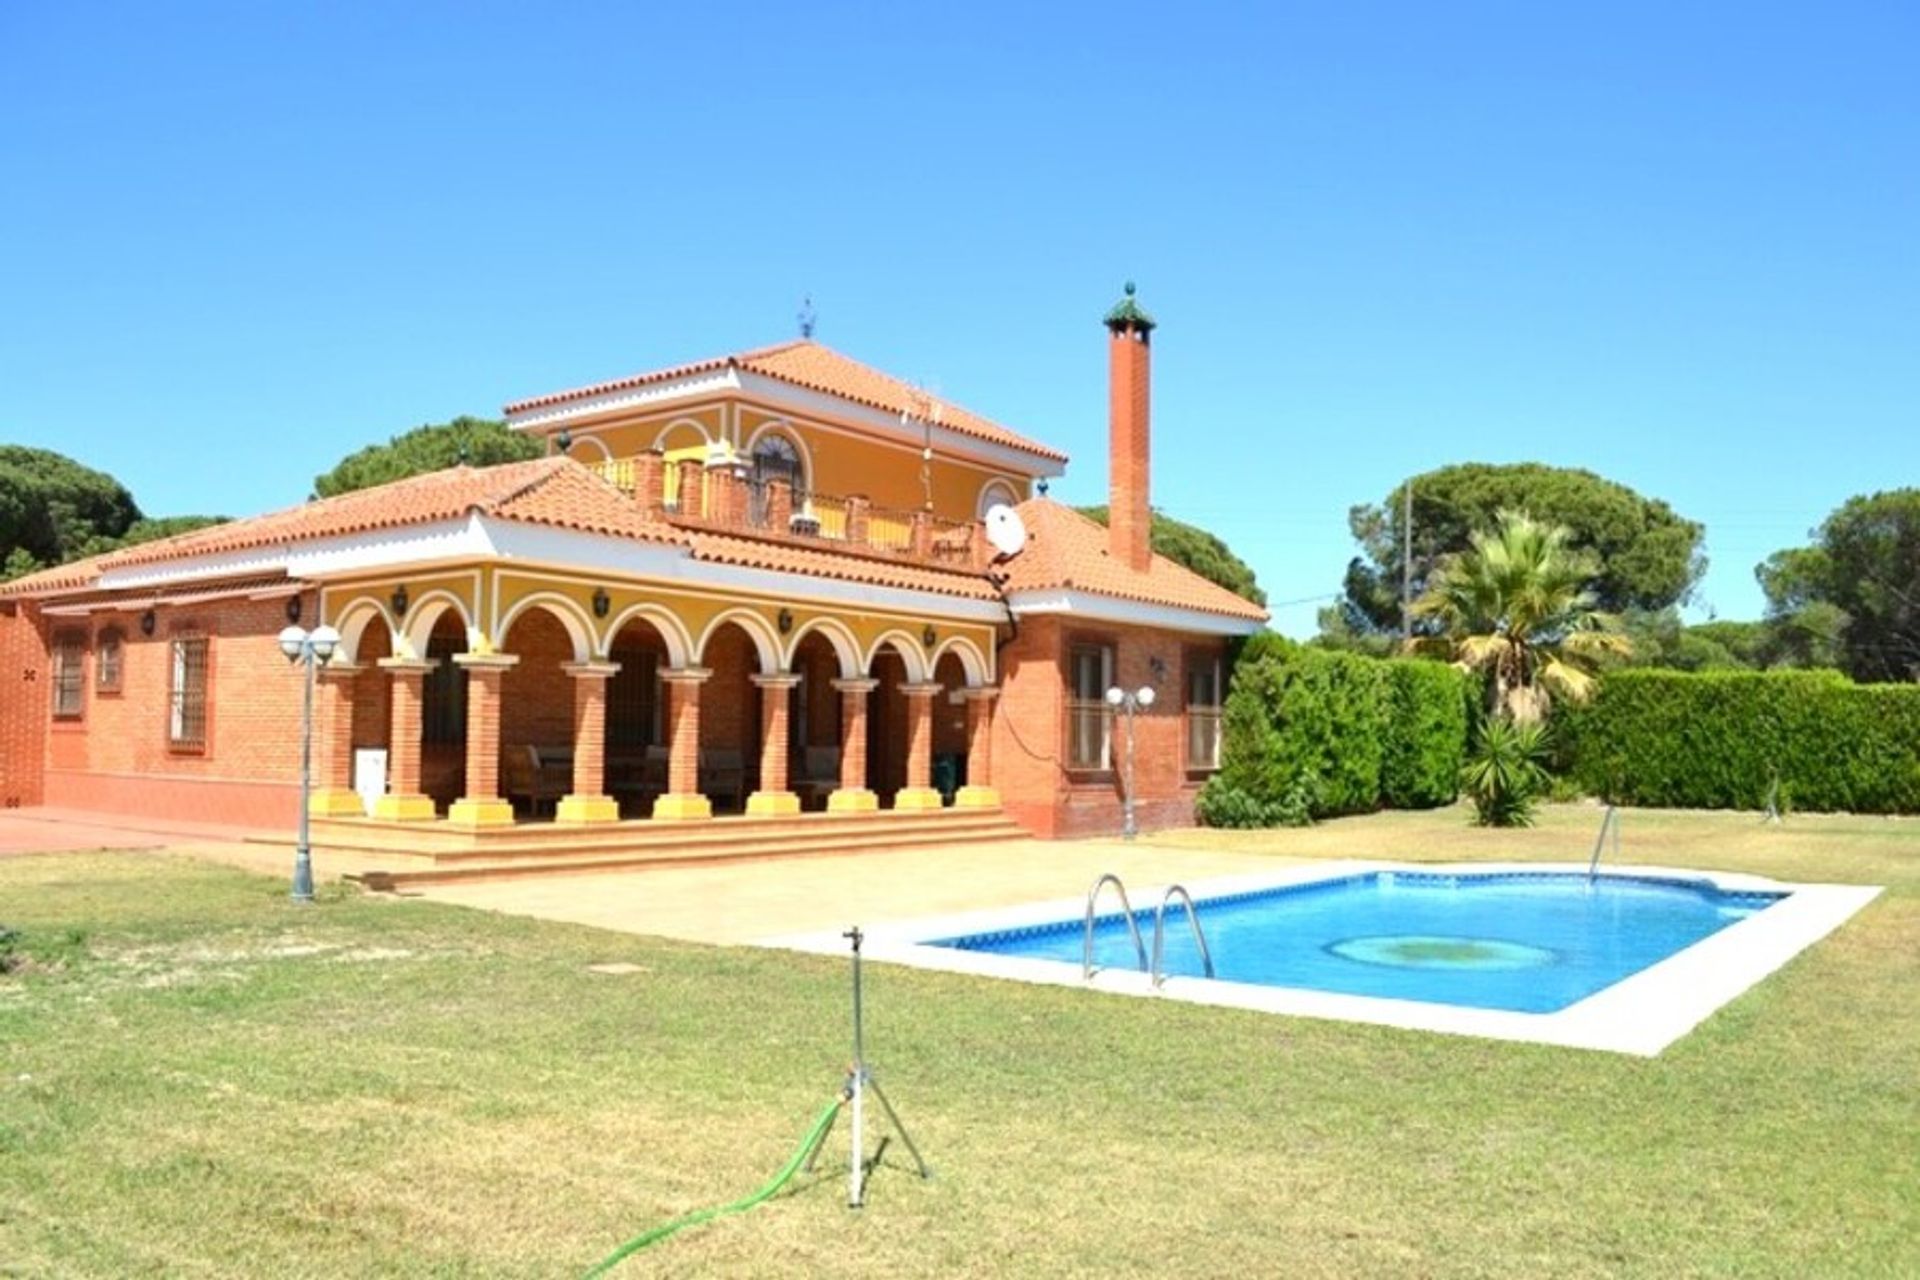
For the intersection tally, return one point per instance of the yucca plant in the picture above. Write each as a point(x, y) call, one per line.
point(1517, 607)
point(1505, 773)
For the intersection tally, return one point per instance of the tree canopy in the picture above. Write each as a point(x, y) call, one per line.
point(1198, 550)
point(479, 442)
point(1648, 556)
point(1852, 599)
point(53, 510)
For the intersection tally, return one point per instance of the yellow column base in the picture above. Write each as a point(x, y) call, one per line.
point(916, 798)
point(331, 803)
point(852, 800)
point(488, 811)
point(585, 809)
point(772, 804)
point(977, 798)
point(404, 808)
point(677, 808)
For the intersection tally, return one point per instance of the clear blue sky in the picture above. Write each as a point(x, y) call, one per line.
point(1676, 244)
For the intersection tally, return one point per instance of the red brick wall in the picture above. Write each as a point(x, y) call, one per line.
point(949, 717)
point(25, 695)
point(729, 700)
point(1029, 745)
point(116, 757)
point(536, 694)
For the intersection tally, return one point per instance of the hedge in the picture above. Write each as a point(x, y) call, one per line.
point(1314, 733)
point(1718, 740)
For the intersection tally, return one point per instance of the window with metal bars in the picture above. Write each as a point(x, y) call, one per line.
point(187, 718)
point(1203, 711)
point(107, 659)
point(443, 695)
point(1089, 728)
point(69, 674)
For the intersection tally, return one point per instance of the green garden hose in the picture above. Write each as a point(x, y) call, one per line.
point(815, 1136)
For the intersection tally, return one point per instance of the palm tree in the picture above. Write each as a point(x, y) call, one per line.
point(1517, 607)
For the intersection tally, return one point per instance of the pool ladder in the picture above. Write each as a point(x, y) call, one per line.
point(1611, 822)
point(1133, 928)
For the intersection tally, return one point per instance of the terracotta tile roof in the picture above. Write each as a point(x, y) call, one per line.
point(551, 491)
point(1066, 550)
point(824, 562)
point(809, 364)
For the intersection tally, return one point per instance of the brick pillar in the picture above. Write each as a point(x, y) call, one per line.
point(649, 482)
point(688, 499)
point(683, 798)
point(780, 504)
point(404, 801)
point(922, 536)
point(589, 801)
point(979, 793)
point(723, 493)
point(482, 805)
point(852, 796)
point(919, 794)
point(857, 518)
point(773, 797)
point(333, 795)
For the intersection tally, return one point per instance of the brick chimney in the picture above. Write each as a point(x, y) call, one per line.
point(1129, 356)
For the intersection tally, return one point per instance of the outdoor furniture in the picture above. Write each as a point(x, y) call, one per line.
point(723, 776)
point(636, 778)
point(536, 774)
point(818, 776)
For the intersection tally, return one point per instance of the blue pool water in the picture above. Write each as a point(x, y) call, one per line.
point(1531, 942)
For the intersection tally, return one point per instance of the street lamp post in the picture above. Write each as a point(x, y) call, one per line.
point(1122, 700)
point(309, 649)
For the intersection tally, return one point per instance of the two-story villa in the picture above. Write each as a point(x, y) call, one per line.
point(756, 585)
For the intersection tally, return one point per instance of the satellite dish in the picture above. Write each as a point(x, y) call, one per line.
point(1005, 530)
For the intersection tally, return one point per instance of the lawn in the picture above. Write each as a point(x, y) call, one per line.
point(196, 1078)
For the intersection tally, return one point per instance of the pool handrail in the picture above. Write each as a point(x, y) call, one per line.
point(1611, 821)
point(1133, 926)
point(1160, 931)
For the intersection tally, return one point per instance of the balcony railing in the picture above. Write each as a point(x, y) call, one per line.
point(726, 498)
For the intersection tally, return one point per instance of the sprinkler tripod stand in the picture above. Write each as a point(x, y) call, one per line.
point(859, 1081)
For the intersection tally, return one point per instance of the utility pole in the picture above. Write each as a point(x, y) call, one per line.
point(1406, 565)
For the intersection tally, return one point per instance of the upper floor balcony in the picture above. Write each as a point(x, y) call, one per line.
point(723, 496)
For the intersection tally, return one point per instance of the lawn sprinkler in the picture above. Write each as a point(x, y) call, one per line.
point(859, 1081)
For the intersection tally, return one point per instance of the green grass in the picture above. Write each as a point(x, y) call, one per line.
point(198, 1079)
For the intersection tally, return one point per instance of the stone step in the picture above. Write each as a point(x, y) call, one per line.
point(694, 838)
point(574, 863)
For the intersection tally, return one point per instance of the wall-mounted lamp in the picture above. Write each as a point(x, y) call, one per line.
point(293, 609)
point(146, 623)
point(564, 441)
point(399, 601)
point(928, 635)
point(785, 620)
point(602, 602)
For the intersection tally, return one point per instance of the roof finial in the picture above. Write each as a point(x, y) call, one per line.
point(807, 317)
point(1129, 314)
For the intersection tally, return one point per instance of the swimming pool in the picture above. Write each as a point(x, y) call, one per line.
point(1593, 988)
point(1530, 942)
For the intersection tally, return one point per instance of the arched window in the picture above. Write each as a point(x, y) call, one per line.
point(776, 457)
point(995, 492)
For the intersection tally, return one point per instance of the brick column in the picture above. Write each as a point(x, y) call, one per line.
point(649, 482)
point(919, 794)
point(852, 795)
point(589, 801)
point(773, 797)
point(687, 502)
point(979, 793)
point(858, 518)
point(482, 805)
point(404, 801)
point(333, 795)
point(683, 799)
point(780, 505)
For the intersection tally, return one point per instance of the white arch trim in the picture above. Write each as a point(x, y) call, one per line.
point(971, 660)
point(351, 622)
point(995, 490)
point(660, 440)
point(606, 454)
point(672, 632)
point(417, 628)
point(837, 634)
point(566, 612)
point(781, 427)
point(912, 656)
point(764, 641)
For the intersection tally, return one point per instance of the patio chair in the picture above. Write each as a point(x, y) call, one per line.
point(818, 776)
point(723, 776)
point(536, 775)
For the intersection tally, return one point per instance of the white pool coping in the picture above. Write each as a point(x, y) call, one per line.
point(1641, 1014)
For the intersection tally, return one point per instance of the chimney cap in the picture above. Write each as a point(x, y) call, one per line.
point(1129, 314)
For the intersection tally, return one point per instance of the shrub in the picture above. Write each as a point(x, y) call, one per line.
point(1505, 774)
point(1424, 733)
point(1719, 740)
point(1229, 806)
